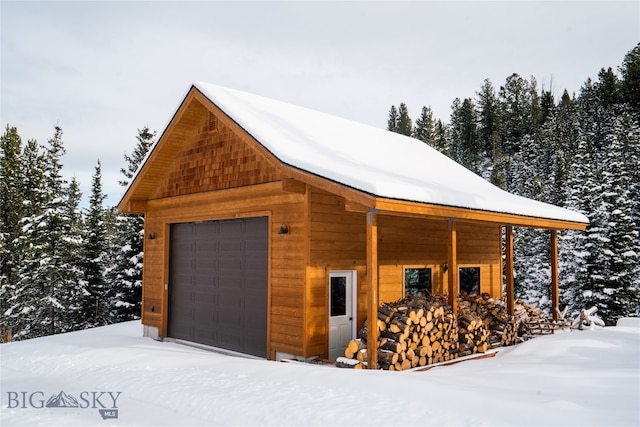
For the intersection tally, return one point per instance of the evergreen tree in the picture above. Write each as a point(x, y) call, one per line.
point(405, 126)
point(575, 246)
point(125, 276)
point(532, 256)
point(520, 112)
point(620, 291)
point(11, 212)
point(490, 135)
point(488, 112)
point(439, 141)
point(608, 89)
point(73, 292)
point(424, 129)
point(560, 134)
point(95, 307)
point(49, 268)
point(464, 144)
point(145, 140)
point(630, 82)
point(392, 121)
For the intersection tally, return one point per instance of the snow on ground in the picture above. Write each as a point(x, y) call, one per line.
point(579, 378)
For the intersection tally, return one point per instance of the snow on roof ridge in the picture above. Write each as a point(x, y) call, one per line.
point(370, 159)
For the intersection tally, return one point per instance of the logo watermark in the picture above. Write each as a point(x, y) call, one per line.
point(106, 402)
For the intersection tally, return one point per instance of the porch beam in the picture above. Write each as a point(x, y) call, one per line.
point(452, 262)
point(509, 270)
point(555, 295)
point(372, 289)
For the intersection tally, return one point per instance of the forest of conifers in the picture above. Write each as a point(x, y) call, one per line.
point(582, 152)
point(64, 268)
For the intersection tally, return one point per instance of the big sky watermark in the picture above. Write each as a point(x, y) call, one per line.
point(106, 402)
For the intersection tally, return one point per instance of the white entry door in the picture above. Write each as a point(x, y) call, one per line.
point(342, 301)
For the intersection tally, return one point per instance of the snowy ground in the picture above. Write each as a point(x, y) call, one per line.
point(576, 378)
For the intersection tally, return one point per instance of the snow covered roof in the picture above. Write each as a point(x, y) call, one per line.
point(382, 163)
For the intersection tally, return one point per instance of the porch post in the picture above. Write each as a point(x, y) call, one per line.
point(555, 296)
point(452, 262)
point(509, 270)
point(372, 289)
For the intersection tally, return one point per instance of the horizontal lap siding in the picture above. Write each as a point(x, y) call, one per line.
point(287, 262)
point(337, 242)
point(153, 278)
point(414, 242)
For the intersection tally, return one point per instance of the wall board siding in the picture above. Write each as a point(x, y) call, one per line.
point(286, 274)
point(338, 242)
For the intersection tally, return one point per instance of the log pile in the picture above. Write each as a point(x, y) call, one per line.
point(505, 330)
point(415, 331)
point(473, 334)
point(422, 330)
point(493, 313)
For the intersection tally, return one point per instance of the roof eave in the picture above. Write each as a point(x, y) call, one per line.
point(401, 207)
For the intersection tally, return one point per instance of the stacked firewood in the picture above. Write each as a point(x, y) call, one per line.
point(504, 329)
point(473, 334)
point(415, 331)
point(422, 330)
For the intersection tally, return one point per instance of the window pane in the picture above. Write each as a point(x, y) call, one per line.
point(338, 296)
point(470, 280)
point(417, 280)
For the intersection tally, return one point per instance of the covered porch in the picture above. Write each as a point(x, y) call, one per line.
point(455, 219)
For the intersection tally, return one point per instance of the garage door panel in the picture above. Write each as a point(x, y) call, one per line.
point(218, 284)
point(232, 246)
point(231, 340)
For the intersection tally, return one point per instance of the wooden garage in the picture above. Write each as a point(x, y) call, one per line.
point(275, 230)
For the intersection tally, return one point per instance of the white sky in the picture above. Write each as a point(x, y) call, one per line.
point(102, 70)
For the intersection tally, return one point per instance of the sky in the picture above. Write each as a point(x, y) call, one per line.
point(101, 70)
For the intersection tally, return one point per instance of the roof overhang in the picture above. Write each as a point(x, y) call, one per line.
point(196, 106)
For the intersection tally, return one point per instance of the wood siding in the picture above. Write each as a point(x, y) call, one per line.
point(214, 158)
point(210, 169)
point(216, 176)
point(287, 265)
point(338, 242)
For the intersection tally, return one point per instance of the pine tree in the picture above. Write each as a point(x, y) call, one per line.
point(73, 292)
point(440, 143)
point(424, 128)
point(145, 140)
point(49, 268)
point(520, 112)
point(95, 307)
point(490, 134)
point(405, 125)
point(11, 212)
point(488, 113)
point(621, 289)
point(532, 256)
point(560, 134)
point(630, 81)
point(575, 256)
point(465, 148)
point(392, 120)
point(125, 276)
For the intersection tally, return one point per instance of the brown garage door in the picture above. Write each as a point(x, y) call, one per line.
point(218, 284)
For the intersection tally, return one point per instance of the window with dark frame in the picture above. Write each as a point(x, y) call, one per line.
point(417, 280)
point(470, 280)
